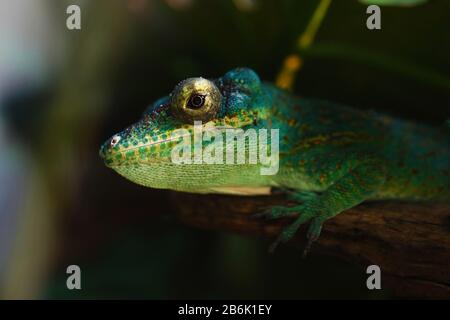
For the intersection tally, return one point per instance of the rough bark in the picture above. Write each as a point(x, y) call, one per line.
point(409, 241)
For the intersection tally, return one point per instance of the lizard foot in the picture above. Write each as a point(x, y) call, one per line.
point(295, 195)
point(276, 212)
point(301, 196)
point(307, 211)
point(288, 232)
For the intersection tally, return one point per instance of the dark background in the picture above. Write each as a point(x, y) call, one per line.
point(69, 208)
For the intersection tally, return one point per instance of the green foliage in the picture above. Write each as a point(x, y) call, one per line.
point(394, 2)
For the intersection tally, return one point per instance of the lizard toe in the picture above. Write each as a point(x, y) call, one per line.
point(289, 232)
point(301, 196)
point(276, 212)
point(313, 234)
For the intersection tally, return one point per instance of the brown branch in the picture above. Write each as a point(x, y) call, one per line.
point(409, 241)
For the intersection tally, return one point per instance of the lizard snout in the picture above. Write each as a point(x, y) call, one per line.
point(106, 151)
point(103, 150)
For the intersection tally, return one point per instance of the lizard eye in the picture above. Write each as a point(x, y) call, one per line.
point(196, 99)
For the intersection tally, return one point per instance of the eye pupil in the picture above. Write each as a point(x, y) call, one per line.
point(196, 101)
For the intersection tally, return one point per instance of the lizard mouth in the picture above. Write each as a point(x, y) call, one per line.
point(144, 153)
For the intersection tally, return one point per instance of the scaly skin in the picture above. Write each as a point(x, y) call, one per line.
point(331, 157)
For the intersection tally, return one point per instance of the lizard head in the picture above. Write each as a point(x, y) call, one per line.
point(142, 152)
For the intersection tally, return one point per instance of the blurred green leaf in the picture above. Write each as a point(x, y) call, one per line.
point(394, 2)
point(386, 62)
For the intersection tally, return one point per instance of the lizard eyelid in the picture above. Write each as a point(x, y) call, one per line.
point(195, 99)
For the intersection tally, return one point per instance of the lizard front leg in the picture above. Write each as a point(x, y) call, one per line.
point(357, 184)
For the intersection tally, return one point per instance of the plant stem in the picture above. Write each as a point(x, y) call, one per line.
point(293, 63)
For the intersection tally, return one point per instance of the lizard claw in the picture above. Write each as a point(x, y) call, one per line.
point(306, 249)
point(274, 245)
point(285, 235)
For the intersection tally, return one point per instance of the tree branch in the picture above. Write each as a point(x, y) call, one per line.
point(409, 241)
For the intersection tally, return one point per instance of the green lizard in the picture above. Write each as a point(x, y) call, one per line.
point(331, 157)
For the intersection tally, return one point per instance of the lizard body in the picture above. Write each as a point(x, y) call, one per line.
point(333, 157)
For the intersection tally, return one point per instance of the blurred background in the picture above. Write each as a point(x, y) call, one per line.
point(63, 92)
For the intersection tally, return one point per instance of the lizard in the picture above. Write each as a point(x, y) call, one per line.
point(331, 157)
